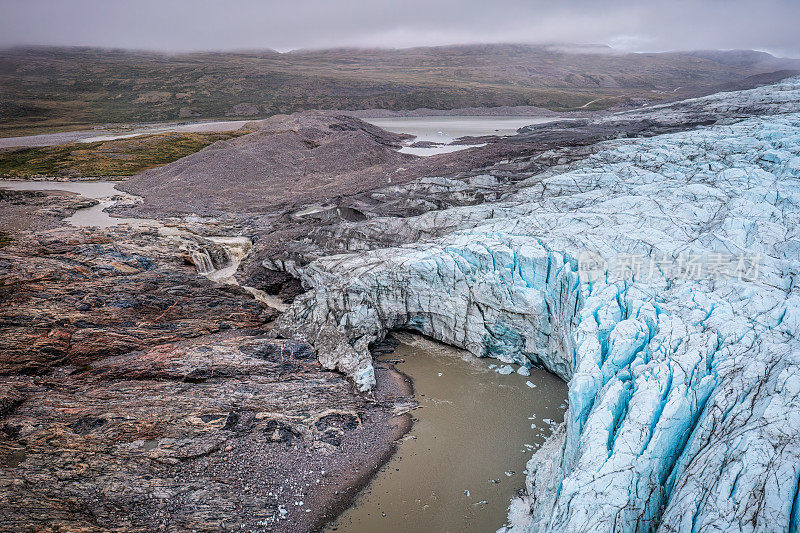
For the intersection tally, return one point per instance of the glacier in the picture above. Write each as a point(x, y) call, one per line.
point(680, 347)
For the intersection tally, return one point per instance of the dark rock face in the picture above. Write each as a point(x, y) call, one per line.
point(73, 296)
point(274, 282)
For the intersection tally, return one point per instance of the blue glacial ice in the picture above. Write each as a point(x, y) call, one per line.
point(684, 390)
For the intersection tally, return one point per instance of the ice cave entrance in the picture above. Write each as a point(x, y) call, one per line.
point(466, 454)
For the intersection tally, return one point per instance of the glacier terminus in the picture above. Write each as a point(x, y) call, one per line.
point(683, 365)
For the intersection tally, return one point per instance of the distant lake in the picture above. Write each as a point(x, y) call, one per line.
point(445, 130)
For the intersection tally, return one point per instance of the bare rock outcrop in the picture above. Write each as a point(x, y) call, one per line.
point(241, 433)
point(138, 395)
point(72, 296)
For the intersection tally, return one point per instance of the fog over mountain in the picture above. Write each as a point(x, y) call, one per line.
point(183, 25)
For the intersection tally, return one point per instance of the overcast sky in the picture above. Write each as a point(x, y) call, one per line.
point(182, 25)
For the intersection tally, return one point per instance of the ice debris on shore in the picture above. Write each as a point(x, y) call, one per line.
point(684, 391)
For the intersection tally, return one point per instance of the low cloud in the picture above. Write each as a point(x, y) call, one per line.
point(182, 25)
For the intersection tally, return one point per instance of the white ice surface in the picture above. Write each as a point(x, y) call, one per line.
point(684, 394)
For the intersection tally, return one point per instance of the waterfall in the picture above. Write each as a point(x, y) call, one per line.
point(202, 261)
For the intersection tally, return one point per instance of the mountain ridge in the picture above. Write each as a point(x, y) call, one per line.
point(52, 87)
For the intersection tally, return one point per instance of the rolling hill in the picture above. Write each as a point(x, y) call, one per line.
point(46, 88)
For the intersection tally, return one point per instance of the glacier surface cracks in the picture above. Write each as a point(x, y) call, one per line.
point(684, 391)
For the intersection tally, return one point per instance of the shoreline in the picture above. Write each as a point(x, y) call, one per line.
point(403, 387)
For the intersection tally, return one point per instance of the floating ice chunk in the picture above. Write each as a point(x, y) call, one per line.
point(505, 370)
point(531, 385)
point(523, 371)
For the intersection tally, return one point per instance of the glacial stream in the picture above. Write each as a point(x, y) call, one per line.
point(94, 216)
point(107, 195)
point(465, 456)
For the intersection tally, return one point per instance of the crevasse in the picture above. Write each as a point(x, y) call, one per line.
point(684, 390)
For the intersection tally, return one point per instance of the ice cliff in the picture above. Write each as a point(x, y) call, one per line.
point(680, 346)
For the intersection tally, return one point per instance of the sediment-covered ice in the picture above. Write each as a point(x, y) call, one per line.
point(679, 338)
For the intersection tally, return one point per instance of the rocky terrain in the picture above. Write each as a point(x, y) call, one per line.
point(223, 433)
point(33, 210)
point(648, 257)
point(74, 296)
point(136, 394)
point(301, 156)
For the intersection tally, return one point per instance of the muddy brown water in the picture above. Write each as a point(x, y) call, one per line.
point(464, 458)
